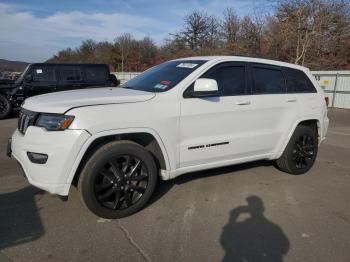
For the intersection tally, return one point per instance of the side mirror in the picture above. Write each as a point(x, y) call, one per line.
point(114, 80)
point(205, 87)
point(28, 78)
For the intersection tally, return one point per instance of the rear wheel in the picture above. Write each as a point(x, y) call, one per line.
point(5, 107)
point(118, 179)
point(301, 151)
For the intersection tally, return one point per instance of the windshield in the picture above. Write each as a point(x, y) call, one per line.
point(163, 77)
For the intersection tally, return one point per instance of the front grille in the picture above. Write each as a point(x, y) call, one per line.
point(26, 118)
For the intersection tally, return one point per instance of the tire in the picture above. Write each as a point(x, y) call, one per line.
point(110, 169)
point(301, 151)
point(5, 107)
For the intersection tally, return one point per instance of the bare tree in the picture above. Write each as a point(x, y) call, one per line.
point(314, 33)
point(212, 32)
point(148, 52)
point(124, 43)
point(230, 28)
point(298, 19)
point(249, 37)
point(199, 30)
point(86, 51)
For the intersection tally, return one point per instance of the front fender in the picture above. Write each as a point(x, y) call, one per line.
point(120, 131)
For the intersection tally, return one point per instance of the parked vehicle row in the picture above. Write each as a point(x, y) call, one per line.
point(45, 78)
point(182, 116)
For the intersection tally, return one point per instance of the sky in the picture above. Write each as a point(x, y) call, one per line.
point(35, 30)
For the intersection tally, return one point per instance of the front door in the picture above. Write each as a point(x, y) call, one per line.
point(43, 80)
point(217, 128)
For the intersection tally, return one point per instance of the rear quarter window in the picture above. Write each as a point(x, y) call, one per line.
point(298, 82)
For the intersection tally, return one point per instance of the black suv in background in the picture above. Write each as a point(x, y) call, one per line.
point(45, 78)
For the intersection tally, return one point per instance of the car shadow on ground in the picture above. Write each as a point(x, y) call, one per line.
point(20, 220)
point(253, 238)
point(165, 186)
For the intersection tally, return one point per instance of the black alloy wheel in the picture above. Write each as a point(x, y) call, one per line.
point(303, 152)
point(118, 179)
point(121, 182)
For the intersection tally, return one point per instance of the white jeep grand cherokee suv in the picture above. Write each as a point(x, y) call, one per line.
point(181, 116)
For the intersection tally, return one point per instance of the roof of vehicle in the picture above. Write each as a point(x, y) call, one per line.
point(245, 59)
point(67, 64)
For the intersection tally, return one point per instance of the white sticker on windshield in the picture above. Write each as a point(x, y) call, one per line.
point(187, 65)
point(39, 71)
point(160, 86)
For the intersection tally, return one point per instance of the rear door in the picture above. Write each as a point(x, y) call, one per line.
point(70, 77)
point(96, 75)
point(276, 111)
point(217, 128)
point(44, 80)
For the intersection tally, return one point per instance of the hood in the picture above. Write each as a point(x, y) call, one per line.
point(61, 102)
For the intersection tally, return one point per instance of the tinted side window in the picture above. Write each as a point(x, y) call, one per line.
point(70, 73)
point(298, 82)
point(96, 73)
point(230, 79)
point(268, 80)
point(43, 74)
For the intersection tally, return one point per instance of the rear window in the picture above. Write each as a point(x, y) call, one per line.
point(298, 82)
point(268, 80)
point(164, 76)
point(96, 73)
point(43, 73)
point(70, 73)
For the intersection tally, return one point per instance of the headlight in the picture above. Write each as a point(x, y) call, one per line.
point(53, 122)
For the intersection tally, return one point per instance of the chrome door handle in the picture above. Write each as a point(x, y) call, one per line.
point(292, 100)
point(242, 103)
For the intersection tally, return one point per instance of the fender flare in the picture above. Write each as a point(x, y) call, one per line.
point(286, 141)
point(112, 132)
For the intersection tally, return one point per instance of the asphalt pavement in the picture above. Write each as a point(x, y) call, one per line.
point(251, 211)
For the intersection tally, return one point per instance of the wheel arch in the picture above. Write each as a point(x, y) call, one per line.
point(312, 121)
point(149, 139)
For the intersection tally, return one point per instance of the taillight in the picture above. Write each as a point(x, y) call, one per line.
point(327, 100)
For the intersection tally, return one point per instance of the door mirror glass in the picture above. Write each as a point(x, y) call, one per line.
point(205, 87)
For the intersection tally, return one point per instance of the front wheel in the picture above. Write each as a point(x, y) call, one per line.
point(118, 179)
point(301, 151)
point(5, 107)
